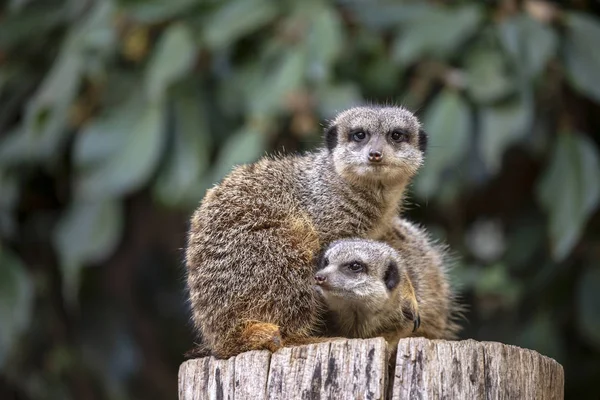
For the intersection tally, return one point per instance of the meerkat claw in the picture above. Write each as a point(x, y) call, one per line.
point(417, 323)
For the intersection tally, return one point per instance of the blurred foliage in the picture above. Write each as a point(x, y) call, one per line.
point(117, 115)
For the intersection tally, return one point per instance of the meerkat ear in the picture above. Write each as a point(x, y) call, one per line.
point(391, 278)
point(423, 138)
point(331, 137)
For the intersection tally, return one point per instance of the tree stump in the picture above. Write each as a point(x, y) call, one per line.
point(359, 369)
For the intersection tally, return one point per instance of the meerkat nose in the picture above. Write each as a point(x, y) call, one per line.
point(320, 279)
point(375, 156)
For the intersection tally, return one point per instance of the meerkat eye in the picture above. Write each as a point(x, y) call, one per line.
point(355, 267)
point(400, 136)
point(358, 135)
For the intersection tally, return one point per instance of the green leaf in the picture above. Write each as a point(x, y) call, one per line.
point(172, 59)
point(236, 19)
point(46, 115)
point(496, 281)
point(501, 126)
point(16, 302)
point(529, 42)
point(582, 58)
point(382, 76)
point(4, 78)
point(588, 305)
point(118, 153)
point(16, 6)
point(103, 136)
point(569, 190)
point(14, 148)
point(242, 147)
point(188, 159)
point(96, 32)
point(325, 42)
point(524, 242)
point(487, 78)
point(87, 233)
point(22, 28)
point(436, 33)
point(154, 11)
point(269, 94)
point(385, 15)
point(448, 123)
point(9, 187)
point(334, 98)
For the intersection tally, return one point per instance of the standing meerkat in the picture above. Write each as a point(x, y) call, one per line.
point(368, 290)
point(253, 241)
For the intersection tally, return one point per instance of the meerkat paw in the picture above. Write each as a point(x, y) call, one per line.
point(410, 306)
point(262, 336)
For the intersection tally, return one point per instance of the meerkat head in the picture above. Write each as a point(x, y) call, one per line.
point(366, 275)
point(376, 144)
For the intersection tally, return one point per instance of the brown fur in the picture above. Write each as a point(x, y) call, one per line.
point(427, 265)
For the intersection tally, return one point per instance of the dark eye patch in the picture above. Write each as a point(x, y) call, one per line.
point(322, 261)
point(391, 278)
point(331, 138)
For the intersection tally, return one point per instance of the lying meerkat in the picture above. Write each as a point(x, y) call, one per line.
point(368, 291)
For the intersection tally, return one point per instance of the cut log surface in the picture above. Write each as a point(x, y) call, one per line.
point(358, 369)
point(473, 370)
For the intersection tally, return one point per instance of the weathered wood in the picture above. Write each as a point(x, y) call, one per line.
point(468, 369)
point(251, 374)
point(345, 369)
point(358, 369)
point(241, 377)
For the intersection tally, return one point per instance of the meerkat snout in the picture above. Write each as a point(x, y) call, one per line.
point(320, 279)
point(375, 156)
point(376, 146)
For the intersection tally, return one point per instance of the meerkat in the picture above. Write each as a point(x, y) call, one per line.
point(368, 290)
point(254, 239)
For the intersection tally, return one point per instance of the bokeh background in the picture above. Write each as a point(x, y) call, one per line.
point(117, 115)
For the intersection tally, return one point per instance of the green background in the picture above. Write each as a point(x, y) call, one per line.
point(116, 116)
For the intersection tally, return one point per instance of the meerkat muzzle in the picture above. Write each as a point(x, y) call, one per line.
point(375, 156)
point(320, 279)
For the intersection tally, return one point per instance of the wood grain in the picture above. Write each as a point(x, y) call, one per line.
point(358, 369)
point(241, 377)
point(345, 369)
point(468, 369)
